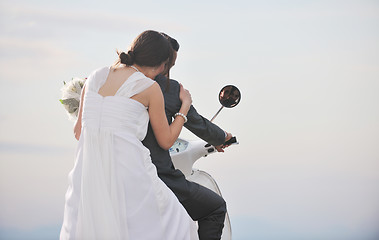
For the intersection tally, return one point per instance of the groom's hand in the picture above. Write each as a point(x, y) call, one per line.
point(220, 148)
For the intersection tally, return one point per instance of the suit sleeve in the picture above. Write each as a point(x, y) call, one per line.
point(204, 129)
point(196, 123)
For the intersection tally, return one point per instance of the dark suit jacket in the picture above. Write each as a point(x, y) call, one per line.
point(197, 124)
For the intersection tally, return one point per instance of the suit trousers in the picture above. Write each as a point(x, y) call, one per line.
point(209, 209)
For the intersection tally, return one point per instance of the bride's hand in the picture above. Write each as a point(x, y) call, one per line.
point(185, 96)
point(78, 129)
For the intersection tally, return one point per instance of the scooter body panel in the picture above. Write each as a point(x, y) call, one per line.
point(184, 154)
point(205, 179)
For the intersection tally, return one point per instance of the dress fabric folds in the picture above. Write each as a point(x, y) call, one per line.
point(114, 191)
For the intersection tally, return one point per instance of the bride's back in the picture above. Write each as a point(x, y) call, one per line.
point(109, 102)
point(116, 78)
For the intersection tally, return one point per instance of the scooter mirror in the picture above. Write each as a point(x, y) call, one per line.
point(229, 96)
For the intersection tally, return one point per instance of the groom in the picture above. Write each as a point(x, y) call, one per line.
point(202, 204)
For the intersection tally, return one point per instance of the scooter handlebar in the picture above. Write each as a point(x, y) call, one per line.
point(231, 141)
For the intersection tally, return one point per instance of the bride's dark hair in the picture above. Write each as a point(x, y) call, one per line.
point(150, 49)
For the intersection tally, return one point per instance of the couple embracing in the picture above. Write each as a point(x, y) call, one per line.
point(124, 184)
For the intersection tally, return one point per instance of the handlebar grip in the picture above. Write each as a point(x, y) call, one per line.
point(231, 141)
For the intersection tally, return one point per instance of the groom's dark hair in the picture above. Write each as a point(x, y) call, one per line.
point(174, 44)
point(175, 47)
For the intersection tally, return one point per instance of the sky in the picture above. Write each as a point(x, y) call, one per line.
point(307, 166)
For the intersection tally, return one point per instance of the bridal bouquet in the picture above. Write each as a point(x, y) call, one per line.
point(71, 96)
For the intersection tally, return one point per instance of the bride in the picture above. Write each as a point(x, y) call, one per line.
point(114, 191)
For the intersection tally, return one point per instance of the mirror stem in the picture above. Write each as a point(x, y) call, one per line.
point(217, 113)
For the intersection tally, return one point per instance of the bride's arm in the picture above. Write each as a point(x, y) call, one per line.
point(164, 133)
point(78, 124)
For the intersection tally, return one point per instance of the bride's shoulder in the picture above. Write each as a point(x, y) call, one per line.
point(100, 72)
point(154, 91)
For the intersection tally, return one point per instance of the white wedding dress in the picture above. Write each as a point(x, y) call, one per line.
point(114, 191)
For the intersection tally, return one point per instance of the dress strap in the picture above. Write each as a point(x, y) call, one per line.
point(135, 84)
point(135, 68)
point(97, 78)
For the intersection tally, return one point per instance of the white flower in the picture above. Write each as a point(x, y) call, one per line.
point(71, 92)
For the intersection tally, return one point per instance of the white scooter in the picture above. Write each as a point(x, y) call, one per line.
point(185, 153)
